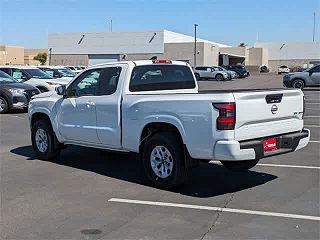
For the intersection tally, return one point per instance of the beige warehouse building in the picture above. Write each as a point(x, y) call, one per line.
point(17, 55)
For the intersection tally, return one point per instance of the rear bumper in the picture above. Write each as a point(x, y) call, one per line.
point(253, 149)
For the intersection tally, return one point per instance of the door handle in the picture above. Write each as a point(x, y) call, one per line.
point(90, 104)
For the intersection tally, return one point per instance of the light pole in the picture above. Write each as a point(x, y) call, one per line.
point(314, 25)
point(195, 44)
point(111, 25)
point(50, 51)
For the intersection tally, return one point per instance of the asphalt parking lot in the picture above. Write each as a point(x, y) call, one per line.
point(93, 194)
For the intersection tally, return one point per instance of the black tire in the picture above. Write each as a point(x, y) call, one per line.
point(4, 106)
point(53, 146)
point(298, 83)
point(219, 77)
point(197, 76)
point(172, 143)
point(237, 75)
point(239, 166)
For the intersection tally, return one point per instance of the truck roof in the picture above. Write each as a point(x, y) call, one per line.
point(141, 62)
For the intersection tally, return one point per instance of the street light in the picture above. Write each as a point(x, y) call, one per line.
point(50, 51)
point(195, 44)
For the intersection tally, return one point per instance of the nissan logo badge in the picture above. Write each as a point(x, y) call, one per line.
point(274, 109)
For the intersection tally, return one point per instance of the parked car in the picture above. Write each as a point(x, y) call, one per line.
point(264, 69)
point(14, 95)
point(58, 72)
point(283, 69)
point(74, 69)
point(239, 69)
point(307, 78)
point(34, 77)
point(210, 73)
point(232, 74)
point(154, 108)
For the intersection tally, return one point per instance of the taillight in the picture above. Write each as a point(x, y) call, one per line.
point(162, 61)
point(227, 115)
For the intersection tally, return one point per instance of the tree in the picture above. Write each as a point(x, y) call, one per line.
point(242, 44)
point(41, 57)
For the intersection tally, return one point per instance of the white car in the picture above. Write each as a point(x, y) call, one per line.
point(283, 69)
point(34, 77)
point(59, 72)
point(154, 108)
point(74, 69)
point(204, 72)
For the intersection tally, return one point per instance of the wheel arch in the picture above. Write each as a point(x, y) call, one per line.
point(155, 127)
point(38, 116)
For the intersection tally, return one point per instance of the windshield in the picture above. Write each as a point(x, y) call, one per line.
point(5, 78)
point(66, 72)
point(37, 73)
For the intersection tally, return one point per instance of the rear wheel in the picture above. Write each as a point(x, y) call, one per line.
point(298, 83)
point(4, 107)
point(197, 76)
point(219, 77)
point(44, 141)
point(163, 160)
point(238, 166)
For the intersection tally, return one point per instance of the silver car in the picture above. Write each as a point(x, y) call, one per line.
point(204, 72)
point(307, 78)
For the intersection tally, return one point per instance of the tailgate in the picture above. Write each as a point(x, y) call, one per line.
point(267, 113)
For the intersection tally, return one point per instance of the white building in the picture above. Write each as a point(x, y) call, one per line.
point(293, 54)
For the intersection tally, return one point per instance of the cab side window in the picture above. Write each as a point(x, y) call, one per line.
point(85, 84)
point(95, 82)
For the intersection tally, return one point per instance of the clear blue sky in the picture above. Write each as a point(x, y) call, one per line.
point(27, 22)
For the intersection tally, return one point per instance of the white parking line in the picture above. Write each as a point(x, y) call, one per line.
point(218, 209)
point(311, 116)
point(287, 166)
point(314, 141)
point(313, 103)
point(313, 108)
point(312, 126)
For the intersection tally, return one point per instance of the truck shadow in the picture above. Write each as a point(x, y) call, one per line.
point(208, 180)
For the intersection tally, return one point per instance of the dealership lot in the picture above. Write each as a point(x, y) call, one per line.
point(92, 194)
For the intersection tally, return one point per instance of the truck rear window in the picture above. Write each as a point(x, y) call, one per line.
point(161, 77)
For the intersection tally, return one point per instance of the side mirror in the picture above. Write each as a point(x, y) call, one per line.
point(61, 90)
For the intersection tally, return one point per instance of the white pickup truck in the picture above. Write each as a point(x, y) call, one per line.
point(154, 108)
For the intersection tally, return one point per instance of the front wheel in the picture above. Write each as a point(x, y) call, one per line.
point(4, 107)
point(44, 141)
point(238, 166)
point(298, 83)
point(219, 77)
point(163, 160)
